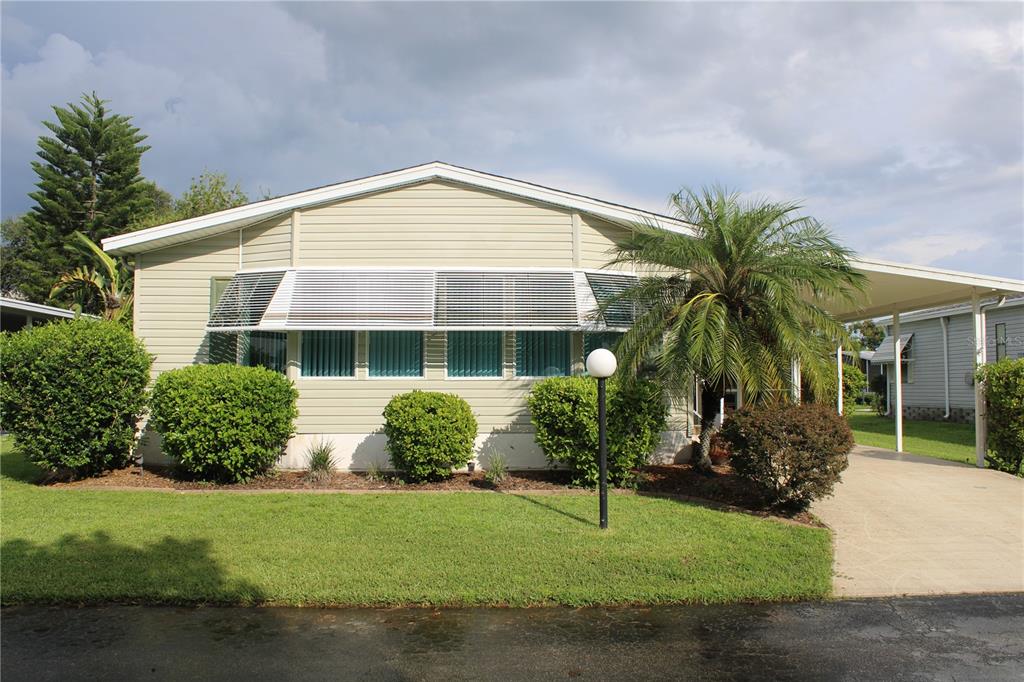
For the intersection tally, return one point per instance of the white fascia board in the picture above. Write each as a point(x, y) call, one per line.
point(1005, 285)
point(234, 218)
point(949, 311)
point(36, 308)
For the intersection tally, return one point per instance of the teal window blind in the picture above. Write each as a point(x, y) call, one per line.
point(265, 349)
point(594, 340)
point(328, 354)
point(542, 354)
point(474, 354)
point(396, 354)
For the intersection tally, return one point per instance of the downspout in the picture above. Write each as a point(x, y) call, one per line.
point(945, 361)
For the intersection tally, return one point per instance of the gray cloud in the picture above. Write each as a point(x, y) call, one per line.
point(900, 125)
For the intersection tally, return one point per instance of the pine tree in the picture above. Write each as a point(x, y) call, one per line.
point(89, 182)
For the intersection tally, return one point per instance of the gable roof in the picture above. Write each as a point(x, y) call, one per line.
point(234, 218)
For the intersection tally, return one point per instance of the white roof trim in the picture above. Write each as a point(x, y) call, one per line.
point(997, 284)
point(234, 218)
point(35, 308)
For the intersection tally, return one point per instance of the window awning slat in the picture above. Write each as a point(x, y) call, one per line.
point(356, 298)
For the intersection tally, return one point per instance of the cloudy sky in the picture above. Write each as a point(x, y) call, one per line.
point(899, 125)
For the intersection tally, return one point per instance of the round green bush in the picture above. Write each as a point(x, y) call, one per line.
point(793, 454)
point(429, 434)
point(1003, 383)
point(72, 393)
point(224, 423)
point(564, 415)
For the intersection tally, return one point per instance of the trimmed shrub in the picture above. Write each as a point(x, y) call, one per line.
point(224, 423)
point(429, 434)
point(564, 415)
point(72, 393)
point(1004, 398)
point(793, 454)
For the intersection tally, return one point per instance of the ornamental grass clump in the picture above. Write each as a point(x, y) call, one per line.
point(72, 393)
point(224, 423)
point(319, 462)
point(793, 454)
point(429, 434)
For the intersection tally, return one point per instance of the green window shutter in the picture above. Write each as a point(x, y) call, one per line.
point(474, 354)
point(266, 349)
point(594, 340)
point(542, 354)
point(396, 354)
point(222, 347)
point(328, 354)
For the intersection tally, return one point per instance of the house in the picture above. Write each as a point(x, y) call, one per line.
point(436, 278)
point(433, 277)
point(938, 355)
point(15, 314)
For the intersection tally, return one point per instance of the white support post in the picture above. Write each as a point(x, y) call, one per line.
point(795, 380)
point(839, 373)
point(980, 424)
point(897, 365)
point(294, 355)
point(739, 396)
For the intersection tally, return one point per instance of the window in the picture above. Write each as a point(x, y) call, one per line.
point(223, 346)
point(594, 340)
point(907, 363)
point(474, 354)
point(396, 354)
point(328, 354)
point(265, 349)
point(1000, 341)
point(542, 354)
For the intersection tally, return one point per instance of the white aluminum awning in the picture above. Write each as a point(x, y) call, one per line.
point(421, 298)
point(886, 351)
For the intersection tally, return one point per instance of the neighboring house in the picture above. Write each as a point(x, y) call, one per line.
point(435, 278)
point(938, 356)
point(15, 314)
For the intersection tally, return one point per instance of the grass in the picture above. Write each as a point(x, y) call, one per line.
point(93, 546)
point(943, 440)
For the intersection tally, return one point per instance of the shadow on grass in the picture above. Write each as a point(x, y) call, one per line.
point(538, 503)
point(16, 467)
point(95, 569)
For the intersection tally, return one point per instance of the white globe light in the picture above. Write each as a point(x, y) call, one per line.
point(601, 363)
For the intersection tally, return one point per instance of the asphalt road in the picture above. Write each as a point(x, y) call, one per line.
point(943, 638)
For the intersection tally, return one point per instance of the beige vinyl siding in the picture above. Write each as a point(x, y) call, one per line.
point(268, 244)
point(172, 298)
point(597, 241)
point(436, 223)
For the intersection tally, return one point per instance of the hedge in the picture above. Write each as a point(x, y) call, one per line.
point(72, 393)
point(564, 415)
point(1003, 384)
point(429, 434)
point(224, 423)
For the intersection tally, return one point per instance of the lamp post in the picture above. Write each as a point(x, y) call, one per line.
point(601, 364)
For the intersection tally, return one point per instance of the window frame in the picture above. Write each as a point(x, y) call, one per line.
point(1000, 355)
point(501, 355)
point(369, 356)
point(343, 377)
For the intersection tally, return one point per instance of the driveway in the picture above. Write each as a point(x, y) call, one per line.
point(906, 524)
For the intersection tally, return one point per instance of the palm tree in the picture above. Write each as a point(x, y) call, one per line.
point(111, 284)
point(737, 302)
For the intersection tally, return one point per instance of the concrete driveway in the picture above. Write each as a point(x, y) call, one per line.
point(906, 524)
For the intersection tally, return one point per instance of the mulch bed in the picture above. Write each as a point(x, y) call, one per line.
point(721, 488)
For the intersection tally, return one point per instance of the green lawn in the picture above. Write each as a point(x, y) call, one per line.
point(954, 442)
point(409, 548)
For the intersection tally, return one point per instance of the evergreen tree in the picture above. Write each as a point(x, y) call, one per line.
point(89, 182)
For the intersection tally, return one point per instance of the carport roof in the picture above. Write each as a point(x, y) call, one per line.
point(900, 287)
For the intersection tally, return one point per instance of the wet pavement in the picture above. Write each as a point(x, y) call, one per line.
point(977, 637)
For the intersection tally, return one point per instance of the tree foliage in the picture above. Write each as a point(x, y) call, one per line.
point(1003, 383)
point(869, 334)
point(108, 282)
point(89, 182)
point(738, 300)
point(208, 193)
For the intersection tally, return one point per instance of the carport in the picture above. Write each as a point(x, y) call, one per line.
point(895, 288)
